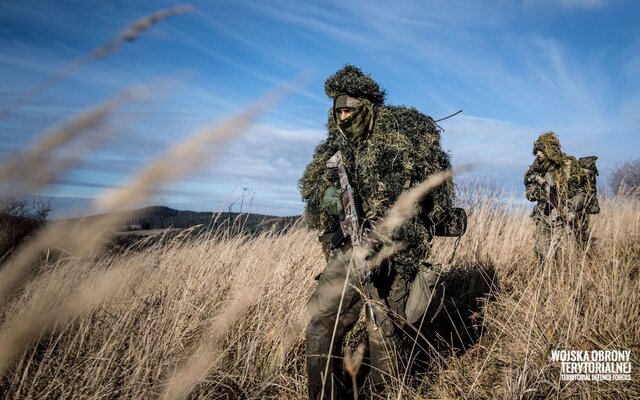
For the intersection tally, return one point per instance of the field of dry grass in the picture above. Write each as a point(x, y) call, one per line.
point(223, 316)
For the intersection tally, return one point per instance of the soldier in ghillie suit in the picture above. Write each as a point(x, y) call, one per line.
point(556, 181)
point(386, 150)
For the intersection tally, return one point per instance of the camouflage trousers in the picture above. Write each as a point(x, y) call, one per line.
point(389, 293)
point(551, 230)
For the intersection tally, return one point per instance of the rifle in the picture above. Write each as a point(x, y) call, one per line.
point(353, 229)
point(553, 200)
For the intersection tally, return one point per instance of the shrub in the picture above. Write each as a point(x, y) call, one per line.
point(18, 219)
point(625, 178)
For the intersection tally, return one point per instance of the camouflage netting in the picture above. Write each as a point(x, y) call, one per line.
point(549, 144)
point(402, 151)
point(350, 80)
point(567, 171)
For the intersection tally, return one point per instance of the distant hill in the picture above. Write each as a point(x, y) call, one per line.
point(161, 217)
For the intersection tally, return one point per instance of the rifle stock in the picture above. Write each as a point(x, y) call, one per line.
point(352, 229)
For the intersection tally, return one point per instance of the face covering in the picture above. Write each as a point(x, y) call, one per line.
point(357, 127)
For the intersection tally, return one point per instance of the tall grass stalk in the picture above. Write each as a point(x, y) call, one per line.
point(224, 316)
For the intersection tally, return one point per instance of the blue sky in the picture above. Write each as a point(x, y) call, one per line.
point(517, 68)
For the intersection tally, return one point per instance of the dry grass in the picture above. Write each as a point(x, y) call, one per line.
point(582, 302)
point(223, 317)
point(207, 312)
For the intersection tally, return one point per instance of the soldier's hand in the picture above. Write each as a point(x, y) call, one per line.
point(332, 201)
point(540, 180)
point(570, 217)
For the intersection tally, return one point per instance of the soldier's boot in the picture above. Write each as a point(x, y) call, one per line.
point(383, 346)
point(318, 336)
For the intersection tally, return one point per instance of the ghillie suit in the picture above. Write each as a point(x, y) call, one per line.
point(386, 150)
point(559, 186)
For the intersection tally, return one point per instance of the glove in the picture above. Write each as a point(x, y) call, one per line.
point(570, 217)
point(540, 180)
point(332, 201)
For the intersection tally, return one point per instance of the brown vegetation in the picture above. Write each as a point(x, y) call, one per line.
point(625, 178)
point(19, 219)
point(223, 317)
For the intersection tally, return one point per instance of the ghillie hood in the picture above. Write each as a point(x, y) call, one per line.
point(402, 148)
point(549, 144)
point(352, 81)
point(567, 171)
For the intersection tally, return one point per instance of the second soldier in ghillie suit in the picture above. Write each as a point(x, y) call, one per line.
point(557, 183)
point(386, 150)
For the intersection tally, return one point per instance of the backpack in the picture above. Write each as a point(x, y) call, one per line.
point(588, 165)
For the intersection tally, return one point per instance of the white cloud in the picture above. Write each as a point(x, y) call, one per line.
point(267, 152)
point(566, 79)
point(488, 141)
point(269, 133)
point(333, 24)
point(568, 4)
point(500, 151)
